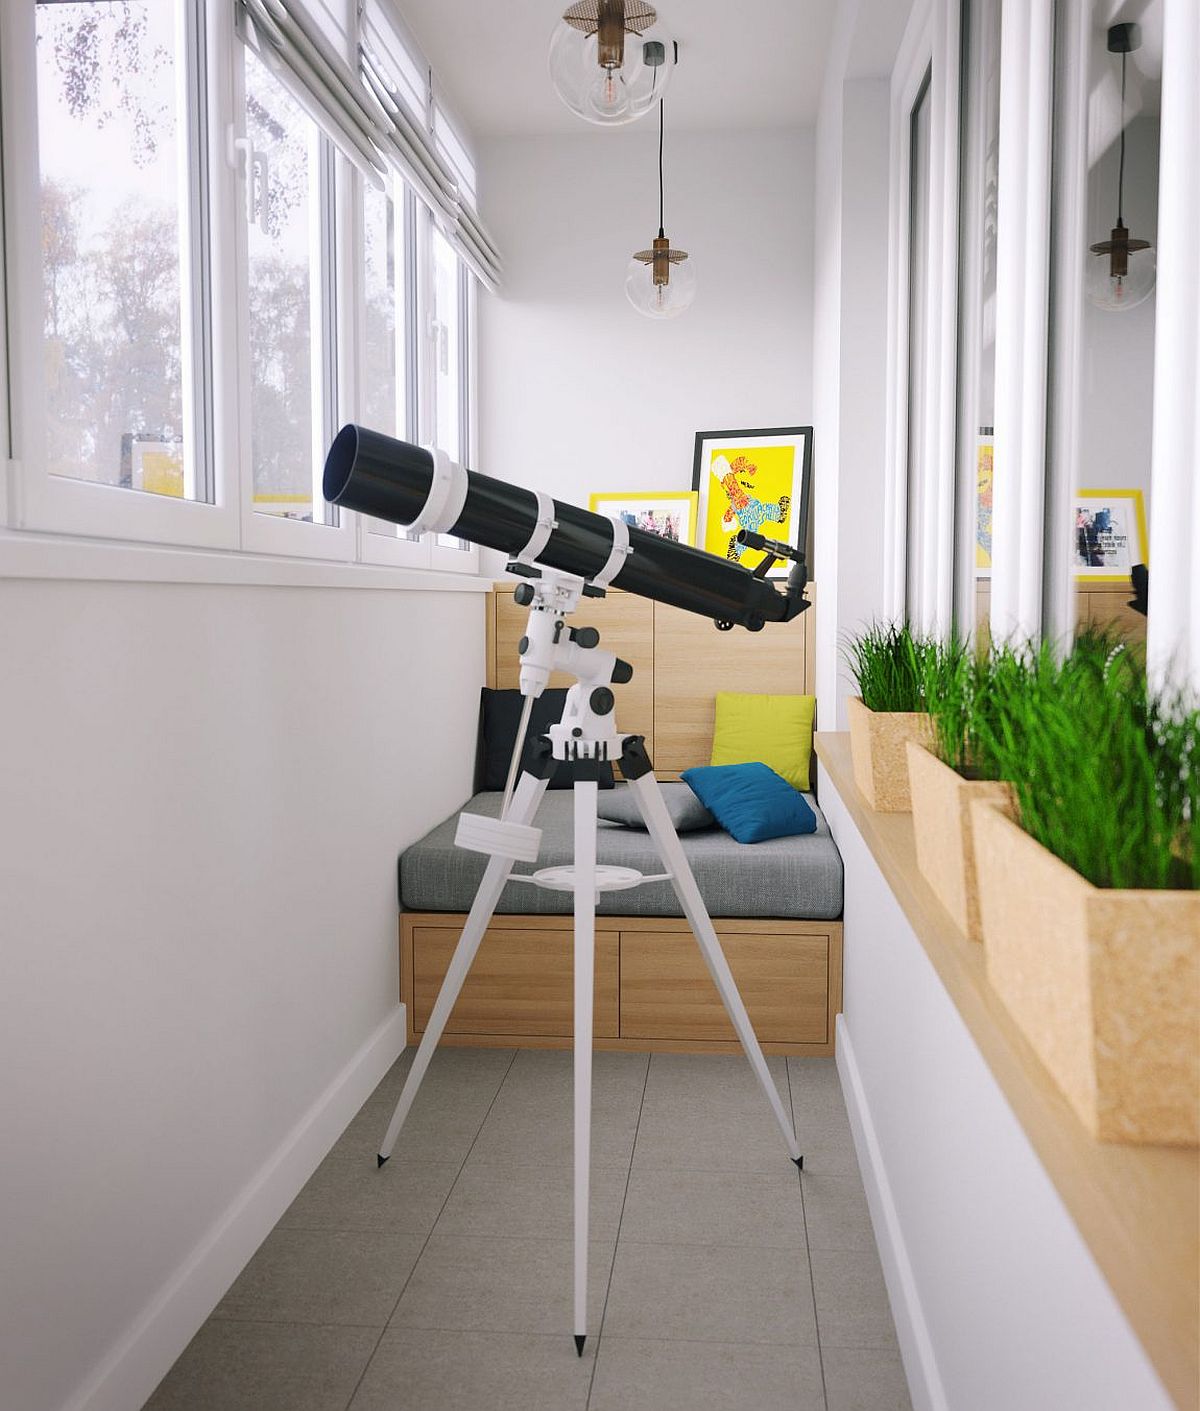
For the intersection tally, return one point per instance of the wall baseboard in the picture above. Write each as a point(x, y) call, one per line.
point(916, 1346)
point(139, 1360)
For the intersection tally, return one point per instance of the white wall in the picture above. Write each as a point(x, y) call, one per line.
point(999, 1304)
point(580, 393)
point(203, 790)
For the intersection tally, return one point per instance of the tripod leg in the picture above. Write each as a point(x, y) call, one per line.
point(524, 806)
point(585, 971)
point(666, 840)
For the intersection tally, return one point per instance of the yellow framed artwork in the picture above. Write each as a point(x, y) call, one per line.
point(671, 514)
point(1110, 535)
point(755, 480)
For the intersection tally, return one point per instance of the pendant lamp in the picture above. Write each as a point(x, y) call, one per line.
point(1122, 275)
point(608, 60)
point(661, 282)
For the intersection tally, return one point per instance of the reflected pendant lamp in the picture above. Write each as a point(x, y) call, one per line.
point(608, 60)
point(1122, 274)
point(661, 282)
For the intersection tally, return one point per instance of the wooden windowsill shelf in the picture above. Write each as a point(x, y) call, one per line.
point(1136, 1207)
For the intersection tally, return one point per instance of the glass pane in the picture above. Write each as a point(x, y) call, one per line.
point(449, 390)
point(112, 148)
point(918, 340)
point(977, 361)
point(285, 316)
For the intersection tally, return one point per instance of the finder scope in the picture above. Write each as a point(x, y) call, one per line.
point(408, 485)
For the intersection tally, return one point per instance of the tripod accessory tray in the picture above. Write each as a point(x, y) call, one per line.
point(608, 878)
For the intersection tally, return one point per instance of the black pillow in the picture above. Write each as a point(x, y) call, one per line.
point(500, 715)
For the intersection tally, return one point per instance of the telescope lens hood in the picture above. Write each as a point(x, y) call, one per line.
point(377, 475)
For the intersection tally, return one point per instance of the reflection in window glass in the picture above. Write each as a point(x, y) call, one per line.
point(918, 340)
point(973, 560)
point(111, 147)
point(284, 264)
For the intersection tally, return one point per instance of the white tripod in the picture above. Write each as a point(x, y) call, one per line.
point(584, 741)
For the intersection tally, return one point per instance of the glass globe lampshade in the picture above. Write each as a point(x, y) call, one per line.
point(1121, 272)
point(661, 283)
point(609, 60)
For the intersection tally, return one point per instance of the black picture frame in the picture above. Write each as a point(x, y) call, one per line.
point(798, 529)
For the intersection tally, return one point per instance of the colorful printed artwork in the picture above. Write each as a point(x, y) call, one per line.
point(983, 509)
point(1110, 534)
point(749, 480)
point(671, 514)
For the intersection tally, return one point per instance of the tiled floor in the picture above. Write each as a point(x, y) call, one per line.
point(719, 1280)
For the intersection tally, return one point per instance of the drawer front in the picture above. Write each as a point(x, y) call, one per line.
point(667, 992)
point(522, 982)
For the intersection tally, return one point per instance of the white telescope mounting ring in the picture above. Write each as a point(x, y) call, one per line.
point(542, 530)
point(621, 549)
point(446, 498)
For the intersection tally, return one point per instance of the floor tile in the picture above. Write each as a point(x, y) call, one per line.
point(356, 1193)
point(865, 1379)
point(500, 1285)
point(419, 1369)
point(836, 1211)
point(445, 1119)
point(715, 1207)
point(819, 1110)
point(852, 1302)
point(654, 1375)
point(323, 1276)
point(531, 1121)
point(711, 1294)
point(530, 1202)
point(266, 1366)
point(694, 1134)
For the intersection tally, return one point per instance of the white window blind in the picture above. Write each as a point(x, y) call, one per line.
point(422, 148)
point(291, 43)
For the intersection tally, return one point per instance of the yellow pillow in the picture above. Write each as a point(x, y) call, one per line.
point(775, 730)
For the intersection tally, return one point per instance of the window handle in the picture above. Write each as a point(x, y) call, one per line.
point(255, 172)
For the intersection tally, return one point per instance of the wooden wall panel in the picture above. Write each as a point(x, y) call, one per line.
point(693, 661)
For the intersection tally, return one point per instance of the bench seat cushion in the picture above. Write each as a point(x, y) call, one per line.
point(799, 877)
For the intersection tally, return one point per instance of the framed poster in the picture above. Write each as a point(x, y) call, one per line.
point(671, 514)
point(1110, 535)
point(984, 466)
point(751, 480)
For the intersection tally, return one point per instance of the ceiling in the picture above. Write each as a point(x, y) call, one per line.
point(742, 63)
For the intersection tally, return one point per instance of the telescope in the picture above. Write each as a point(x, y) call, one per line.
point(426, 491)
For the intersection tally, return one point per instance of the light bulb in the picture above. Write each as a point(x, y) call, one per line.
point(667, 300)
point(608, 96)
point(1117, 292)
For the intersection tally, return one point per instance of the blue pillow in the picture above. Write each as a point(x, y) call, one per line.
point(751, 801)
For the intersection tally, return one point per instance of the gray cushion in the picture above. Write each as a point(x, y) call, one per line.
point(686, 810)
point(785, 877)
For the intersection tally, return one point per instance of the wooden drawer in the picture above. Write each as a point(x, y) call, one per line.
point(667, 992)
point(522, 981)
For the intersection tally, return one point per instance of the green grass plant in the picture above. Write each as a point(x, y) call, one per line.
point(888, 661)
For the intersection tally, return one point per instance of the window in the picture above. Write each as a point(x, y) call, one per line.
point(918, 346)
point(122, 271)
point(289, 249)
point(212, 259)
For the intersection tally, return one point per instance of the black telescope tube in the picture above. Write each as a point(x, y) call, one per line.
point(390, 479)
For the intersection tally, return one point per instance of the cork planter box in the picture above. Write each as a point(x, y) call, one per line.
point(1104, 984)
point(877, 741)
point(944, 832)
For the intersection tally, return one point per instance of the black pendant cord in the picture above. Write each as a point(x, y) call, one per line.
point(1121, 166)
point(660, 168)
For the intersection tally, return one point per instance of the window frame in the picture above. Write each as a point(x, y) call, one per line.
point(39, 500)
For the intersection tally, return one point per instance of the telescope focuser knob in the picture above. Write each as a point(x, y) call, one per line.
point(523, 594)
point(585, 636)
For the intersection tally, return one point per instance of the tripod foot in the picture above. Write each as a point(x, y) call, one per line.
point(799, 1162)
point(379, 1160)
point(580, 1339)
